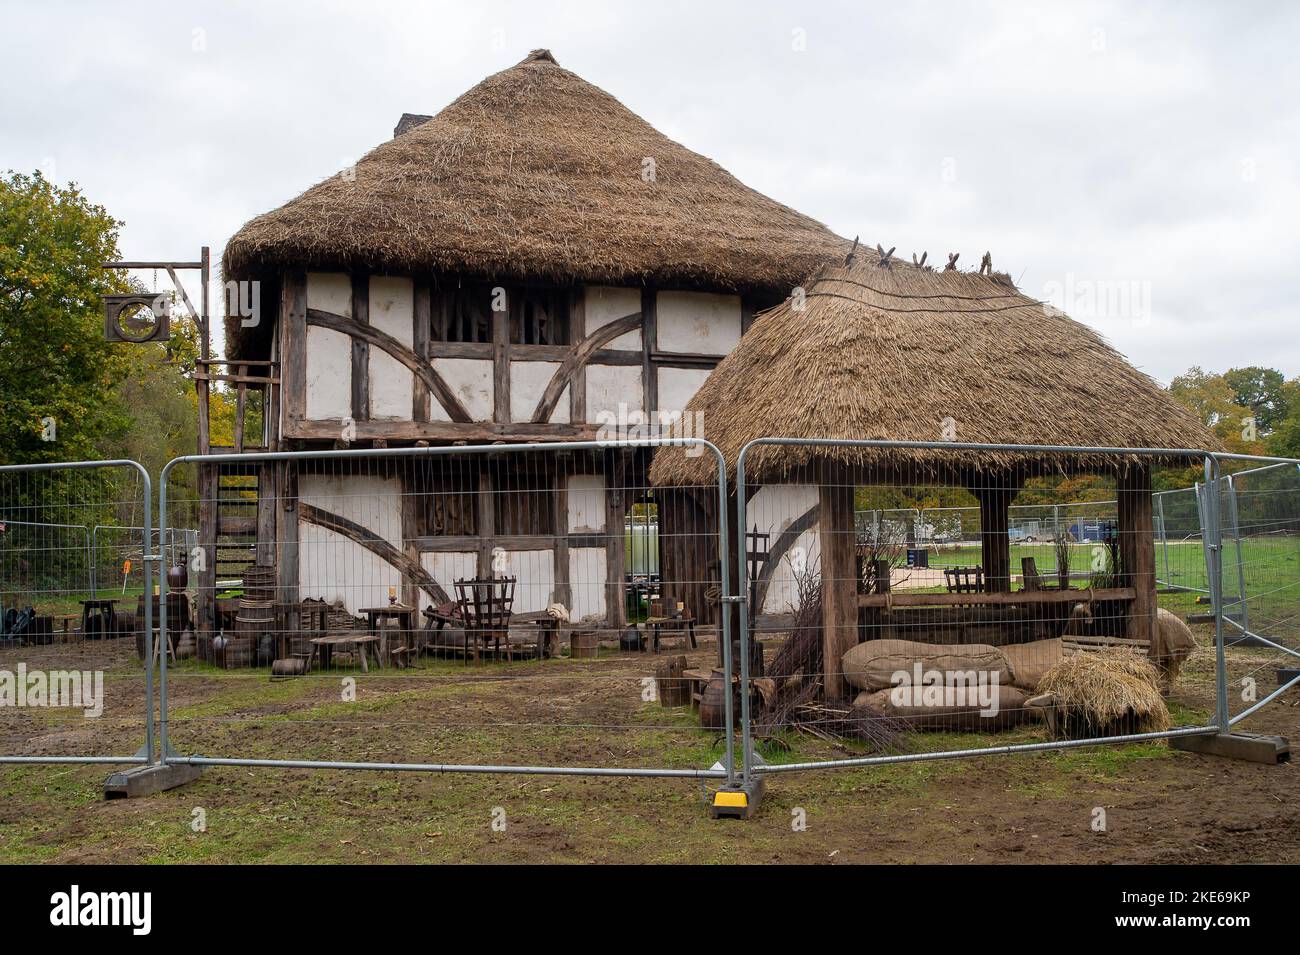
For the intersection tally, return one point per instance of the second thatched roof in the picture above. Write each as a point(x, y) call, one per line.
point(895, 352)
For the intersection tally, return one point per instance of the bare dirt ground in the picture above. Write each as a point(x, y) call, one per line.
point(1160, 805)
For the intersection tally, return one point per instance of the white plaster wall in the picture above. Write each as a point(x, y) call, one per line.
point(772, 509)
point(534, 573)
point(329, 375)
point(470, 379)
point(587, 582)
point(447, 568)
point(586, 500)
point(392, 311)
point(528, 380)
point(697, 322)
point(606, 303)
point(678, 385)
point(608, 386)
point(330, 292)
point(329, 354)
point(330, 566)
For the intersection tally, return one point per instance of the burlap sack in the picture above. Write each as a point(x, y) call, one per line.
point(1029, 661)
point(1011, 711)
point(872, 665)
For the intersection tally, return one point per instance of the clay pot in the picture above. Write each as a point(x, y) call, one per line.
point(713, 703)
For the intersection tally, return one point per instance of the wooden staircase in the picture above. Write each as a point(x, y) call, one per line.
point(236, 506)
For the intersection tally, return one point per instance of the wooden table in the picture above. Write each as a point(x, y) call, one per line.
point(685, 625)
point(547, 630)
point(362, 641)
point(104, 613)
point(403, 614)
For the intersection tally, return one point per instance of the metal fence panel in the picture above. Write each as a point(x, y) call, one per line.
point(1258, 579)
point(335, 623)
point(74, 686)
point(1088, 585)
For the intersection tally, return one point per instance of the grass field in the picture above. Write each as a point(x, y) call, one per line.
point(1161, 805)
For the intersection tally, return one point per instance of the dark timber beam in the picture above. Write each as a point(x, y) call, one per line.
point(839, 581)
point(422, 319)
point(566, 374)
point(501, 365)
point(293, 349)
point(995, 539)
point(360, 349)
point(649, 345)
point(385, 551)
point(1137, 549)
point(423, 371)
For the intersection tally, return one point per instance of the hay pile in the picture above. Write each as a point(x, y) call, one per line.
point(1108, 692)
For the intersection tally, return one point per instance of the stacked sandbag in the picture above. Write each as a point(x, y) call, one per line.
point(953, 706)
point(1030, 662)
point(872, 665)
point(1006, 709)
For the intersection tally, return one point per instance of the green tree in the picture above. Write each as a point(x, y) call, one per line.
point(1285, 437)
point(1212, 399)
point(1262, 392)
point(57, 374)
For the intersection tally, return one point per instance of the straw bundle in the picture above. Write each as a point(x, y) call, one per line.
point(1107, 692)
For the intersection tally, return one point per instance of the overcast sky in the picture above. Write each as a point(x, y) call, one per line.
point(1133, 163)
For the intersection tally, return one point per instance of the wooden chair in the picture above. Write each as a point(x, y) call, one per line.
point(964, 580)
point(485, 610)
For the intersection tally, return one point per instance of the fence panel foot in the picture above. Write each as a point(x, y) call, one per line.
point(738, 801)
point(148, 780)
point(1251, 747)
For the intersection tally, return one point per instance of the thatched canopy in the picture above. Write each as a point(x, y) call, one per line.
point(887, 352)
point(537, 174)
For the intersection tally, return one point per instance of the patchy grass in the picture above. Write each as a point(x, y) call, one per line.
point(1161, 804)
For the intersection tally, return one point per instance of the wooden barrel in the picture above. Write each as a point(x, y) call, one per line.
point(238, 653)
point(584, 644)
point(673, 689)
point(255, 617)
point(713, 704)
point(259, 583)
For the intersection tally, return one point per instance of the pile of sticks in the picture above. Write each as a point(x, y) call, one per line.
point(793, 695)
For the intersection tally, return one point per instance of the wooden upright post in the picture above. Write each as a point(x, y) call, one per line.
point(1137, 547)
point(616, 505)
point(286, 533)
point(267, 490)
point(839, 581)
point(206, 582)
point(995, 540)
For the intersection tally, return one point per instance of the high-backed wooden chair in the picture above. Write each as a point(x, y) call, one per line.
point(964, 580)
point(485, 609)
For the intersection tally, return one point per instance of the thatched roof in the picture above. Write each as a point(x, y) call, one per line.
point(887, 352)
point(536, 173)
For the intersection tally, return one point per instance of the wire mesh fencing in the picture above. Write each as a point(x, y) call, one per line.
point(1259, 580)
point(74, 685)
point(537, 608)
point(859, 649)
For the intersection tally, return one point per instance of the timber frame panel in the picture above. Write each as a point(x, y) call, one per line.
point(586, 348)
